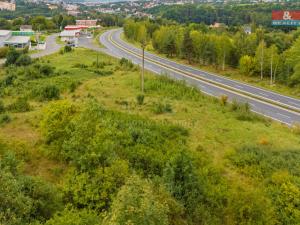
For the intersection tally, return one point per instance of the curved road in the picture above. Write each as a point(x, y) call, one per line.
point(51, 47)
point(276, 106)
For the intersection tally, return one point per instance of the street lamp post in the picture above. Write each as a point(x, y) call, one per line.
point(143, 66)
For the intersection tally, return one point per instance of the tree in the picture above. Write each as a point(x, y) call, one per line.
point(260, 57)
point(137, 203)
point(223, 49)
point(12, 56)
point(247, 65)
point(187, 46)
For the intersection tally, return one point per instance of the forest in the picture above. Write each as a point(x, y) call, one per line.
point(232, 14)
point(79, 144)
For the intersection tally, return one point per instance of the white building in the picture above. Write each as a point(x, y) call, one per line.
point(4, 35)
point(18, 42)
point(70, 36)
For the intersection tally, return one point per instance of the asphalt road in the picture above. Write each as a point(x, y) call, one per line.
point(51, 47)
point(270, 104)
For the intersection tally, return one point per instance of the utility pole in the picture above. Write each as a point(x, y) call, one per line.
point(262, 60)
point(143, 66)
point(271, 81)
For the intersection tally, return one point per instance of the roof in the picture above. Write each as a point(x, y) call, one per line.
point(4, 32)
point(75, 27)
point(27, 27)
point(69, 33)
point(17, 40)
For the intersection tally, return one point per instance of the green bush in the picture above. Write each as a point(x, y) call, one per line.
point(24, 199)
point(67, 48)
point(160, 108)
point(74, 85)
point(47, 92)
point(2, 107)
point(126, 64)
point(4, 118)
point(140, 99)
point(20, 105)
point(12, 56)
point(71, 216)
point(3, 52)
point(23, 60)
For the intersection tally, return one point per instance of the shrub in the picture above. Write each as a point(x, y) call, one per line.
point(74, 85)
point(67, 48)
point(46, 69)
point(126, 64)
point(20, 105)
point(47, 92)
point(159, 108)
point(140, 99)
point(4, 118)
point(23, 60)
point(295, 128)
point(223, 99)
point(12, 56)
point(3, 52)
point(2, 107)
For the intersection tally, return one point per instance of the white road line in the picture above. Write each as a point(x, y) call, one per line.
point(283, 115)
point(263, 94)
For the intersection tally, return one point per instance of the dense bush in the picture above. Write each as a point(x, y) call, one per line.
point(2, 107)
point(4, 118)
point(160, 108)
point(126, 64)
point(280, 171)
point(23, 60)
point(46, 92)
point(24, 199)
point(70, 216)
point(20, 105)
point(3, 52)
point(140, 99)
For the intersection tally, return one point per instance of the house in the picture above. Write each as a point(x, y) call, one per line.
point(4, 35)
point(69, 35)
point(26, 28)
point(88, 23)
point(18, 42)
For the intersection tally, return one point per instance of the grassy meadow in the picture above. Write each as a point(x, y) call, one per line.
point(256, 158)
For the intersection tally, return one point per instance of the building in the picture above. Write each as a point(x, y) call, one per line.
point(10, 6)
point(26, 28)
point(14, 39)
point(4, 35)
point(18, 42)
point(88, 23)
point(69, 35)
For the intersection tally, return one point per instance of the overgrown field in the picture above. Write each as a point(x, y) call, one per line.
point(79, 144)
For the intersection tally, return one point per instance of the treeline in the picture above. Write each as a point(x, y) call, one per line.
point(38, 22)
point(229, 14)
point(273, 55)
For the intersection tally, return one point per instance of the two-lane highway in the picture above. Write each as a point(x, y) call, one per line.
point(276, 106)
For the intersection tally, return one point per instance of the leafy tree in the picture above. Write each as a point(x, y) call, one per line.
point(187, 46)
point(12, 56)
point(23, 60)
point(137, 203)
point(247, 65)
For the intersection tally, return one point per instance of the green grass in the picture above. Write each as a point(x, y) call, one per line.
point(221, 129)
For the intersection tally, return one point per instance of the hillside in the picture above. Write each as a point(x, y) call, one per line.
point(79, 144)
